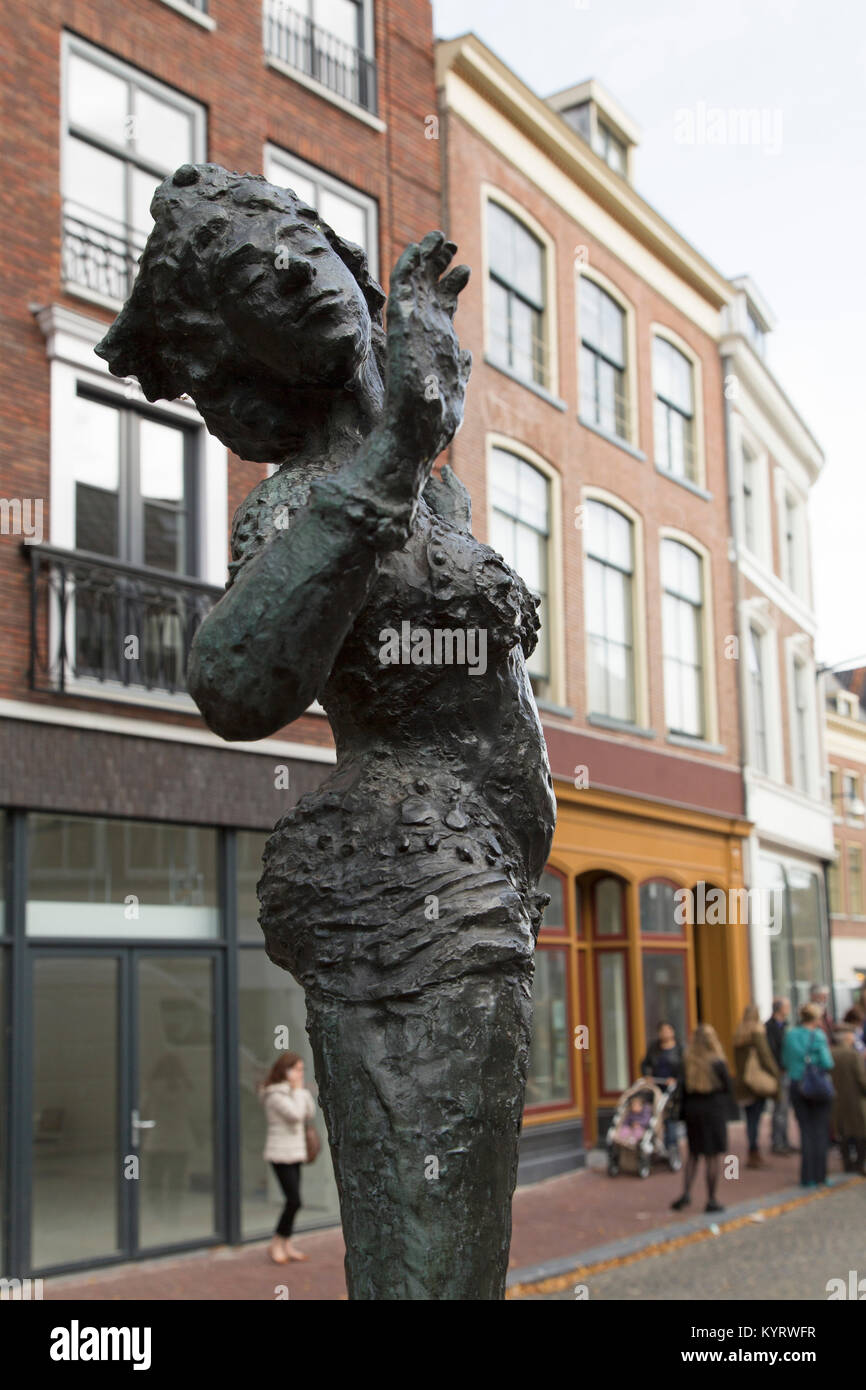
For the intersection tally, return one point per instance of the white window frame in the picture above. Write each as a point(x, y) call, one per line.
point(556, 683)
point(708, 647)
point(745, 438)
point(756, 613)
point(632, 435)
point(794, 570)
point(550, 333)
point(71, 337)
point(332, 184)
point(72, 45)
point(660, 330)
point(639, 602)
point(799, 652)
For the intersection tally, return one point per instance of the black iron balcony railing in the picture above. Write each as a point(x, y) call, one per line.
point(94, 619)
point(301, 44)
point(98, 256)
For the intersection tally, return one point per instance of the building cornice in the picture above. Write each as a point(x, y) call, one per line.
point(768, 394)
point(470, 59)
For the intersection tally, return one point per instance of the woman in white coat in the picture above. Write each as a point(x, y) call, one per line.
point(288, 1109)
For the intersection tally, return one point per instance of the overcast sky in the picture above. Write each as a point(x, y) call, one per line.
point(787, 210)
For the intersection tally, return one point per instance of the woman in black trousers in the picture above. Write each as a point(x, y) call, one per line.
point(806, 1045)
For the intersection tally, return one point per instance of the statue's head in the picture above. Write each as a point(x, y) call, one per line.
point(246, 301)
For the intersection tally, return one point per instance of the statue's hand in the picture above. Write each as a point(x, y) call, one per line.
point(427, 371)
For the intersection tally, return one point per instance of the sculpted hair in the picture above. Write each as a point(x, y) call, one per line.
point(171, 337)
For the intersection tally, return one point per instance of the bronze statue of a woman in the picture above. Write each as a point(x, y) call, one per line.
point(401, 893)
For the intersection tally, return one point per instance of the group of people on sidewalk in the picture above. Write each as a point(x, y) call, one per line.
point(817, 1067)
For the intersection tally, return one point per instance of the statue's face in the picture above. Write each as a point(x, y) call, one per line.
point(291, 302)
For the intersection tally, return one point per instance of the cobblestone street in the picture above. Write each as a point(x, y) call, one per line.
point(790, 1256)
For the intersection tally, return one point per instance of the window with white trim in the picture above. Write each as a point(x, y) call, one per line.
point(353, 215)
point(758, 701)
point(683, 639)
point(751, 499)
point(603, 355)
point(124, 133)
point(609, 611)
point(674, 411)
point(610, 148)
point(792, 542)
point(801, 709)
point(520, 532)
point(516, 268)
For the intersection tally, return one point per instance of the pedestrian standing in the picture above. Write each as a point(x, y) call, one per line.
point(289, 1108)
point(849, 1106)
point(776, 1027)
point(807, 1060)
point(664, 1063)
point(856, 1017)
point(757, 1076)
point(708, 1103)
point(819, 995)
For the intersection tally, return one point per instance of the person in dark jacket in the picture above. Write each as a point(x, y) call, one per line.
point(777, 1026)
point(803, 1047)
point(849, 1106)
point(664, 1062)
point(708, 1104)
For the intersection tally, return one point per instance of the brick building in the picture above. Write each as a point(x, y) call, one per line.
point(131, 967)
point(594, 449)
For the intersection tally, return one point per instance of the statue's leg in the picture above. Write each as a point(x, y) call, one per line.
point(423, 1097)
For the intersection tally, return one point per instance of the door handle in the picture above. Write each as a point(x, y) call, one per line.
point(139, 1124)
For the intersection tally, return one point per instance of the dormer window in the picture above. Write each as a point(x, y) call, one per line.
point(846, 704)
point(756, 332)
point(611, 149)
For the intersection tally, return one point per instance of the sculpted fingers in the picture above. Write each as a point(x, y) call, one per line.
point(451, 285)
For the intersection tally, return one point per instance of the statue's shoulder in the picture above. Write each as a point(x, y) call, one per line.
point(267, 509)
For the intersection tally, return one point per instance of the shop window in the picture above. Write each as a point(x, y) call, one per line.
point(95, 878)
point(272, 1014)
point(664, 992)
point(549, 1080)
point(658, 906)
point(251, 847)
point(609, 918)
point(554, 914)
point(613, 1009)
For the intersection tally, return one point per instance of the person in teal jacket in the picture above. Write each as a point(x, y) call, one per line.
point(808, 1043)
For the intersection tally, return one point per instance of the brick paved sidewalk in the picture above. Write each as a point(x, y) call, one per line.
point(552, 1219)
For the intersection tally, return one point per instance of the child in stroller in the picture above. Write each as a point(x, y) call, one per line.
point(637, 1131)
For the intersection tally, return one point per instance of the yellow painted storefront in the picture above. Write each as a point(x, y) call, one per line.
point(612, 955)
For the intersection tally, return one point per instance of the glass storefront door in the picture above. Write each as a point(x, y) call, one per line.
point(124, 1116)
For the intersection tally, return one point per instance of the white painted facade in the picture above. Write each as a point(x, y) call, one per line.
point(773, 462)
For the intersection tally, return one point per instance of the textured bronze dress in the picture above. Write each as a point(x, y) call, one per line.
point(400, 895)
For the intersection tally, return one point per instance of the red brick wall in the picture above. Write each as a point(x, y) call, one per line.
point(247, 105)
point(498, 404)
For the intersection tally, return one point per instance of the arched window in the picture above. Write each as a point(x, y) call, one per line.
point(683, 639)
point(516, 295)
point(609, 611)
point(603, 395)
point(674, 413)
point(520, 531)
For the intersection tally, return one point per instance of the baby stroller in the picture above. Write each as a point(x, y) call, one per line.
point(636, 1134)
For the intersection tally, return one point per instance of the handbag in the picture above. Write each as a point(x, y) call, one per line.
point(759, 1082)
point(816, 1084)
point(314, 1143)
